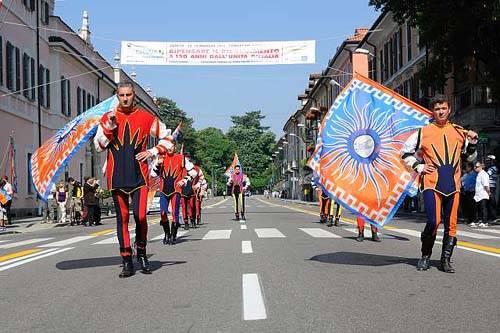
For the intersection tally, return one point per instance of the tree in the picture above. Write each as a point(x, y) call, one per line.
point(172, 115)
point(251, 119)
point(456, 32)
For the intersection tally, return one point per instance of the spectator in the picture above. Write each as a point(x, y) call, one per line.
point(481, 196)
point(75, 203)
point(468, 190)
point(50, 206)
point(7, 187)
point(492, 171)
point(90, 200)
point(62, 199)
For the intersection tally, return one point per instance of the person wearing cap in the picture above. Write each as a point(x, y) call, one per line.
point(434, 151)
point(492, 171)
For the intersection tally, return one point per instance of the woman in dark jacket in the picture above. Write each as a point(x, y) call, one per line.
point(90, 199)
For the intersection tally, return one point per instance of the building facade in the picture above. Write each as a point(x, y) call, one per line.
point(71, 77)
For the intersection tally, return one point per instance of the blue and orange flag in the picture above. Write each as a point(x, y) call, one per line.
point(230, 169)
point(357, 160)
point(4, 197)
point(49, 160)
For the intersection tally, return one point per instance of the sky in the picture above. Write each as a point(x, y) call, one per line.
point(212, 94)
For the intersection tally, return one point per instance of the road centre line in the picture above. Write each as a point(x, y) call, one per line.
point(18, 254)
point(246, 247)
point(253, 300)
point(34, 257)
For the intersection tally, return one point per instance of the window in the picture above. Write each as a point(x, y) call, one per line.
point(65, 97)
point(78, 100)
point(44, 86)
point(13, 68)
point(382, 64)
point(45, 12)
point(84, 100)
point(28, 77)
point(47, 88)
point(400, 47)
point(89, 102)
point(408, 42)
point(29, 190)
point(93, 101)
point(29, 4)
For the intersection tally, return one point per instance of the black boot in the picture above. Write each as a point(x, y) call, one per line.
point(375, 237)
point(128, 267)
point(448, 244)
point(168, 237)
point(336, 223)
point(186, 224)
point(361, 236)
point(237, 216)
point(143, 261)
point(243, 218)
point(322, 218)
point(427, 244)
point(174, 234)
point(193, 222)
point(330, 221)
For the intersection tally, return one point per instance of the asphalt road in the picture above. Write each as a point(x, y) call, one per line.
point(281, 271)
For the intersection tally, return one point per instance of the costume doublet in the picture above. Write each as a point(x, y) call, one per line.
point(127, 178)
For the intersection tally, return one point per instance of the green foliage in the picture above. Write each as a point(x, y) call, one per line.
point(172, 115)
point(457, 33)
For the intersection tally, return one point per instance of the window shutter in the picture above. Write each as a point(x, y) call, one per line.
point(10, 69)
point(63, 95)
point(1, 61)
point(33, 78)
point(47, 88)
point(18, 70)
point(26, 75)
point(78, 100)
point(69, 97)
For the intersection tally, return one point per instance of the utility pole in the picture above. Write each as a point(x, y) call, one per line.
point(37, 70)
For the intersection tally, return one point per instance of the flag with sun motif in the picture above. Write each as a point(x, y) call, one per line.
point(358, 153)
point(51, 158)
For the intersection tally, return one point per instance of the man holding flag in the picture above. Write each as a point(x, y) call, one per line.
point(238, 184)
point(441, 145)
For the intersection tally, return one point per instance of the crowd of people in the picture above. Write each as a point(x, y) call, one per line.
point(74, 202)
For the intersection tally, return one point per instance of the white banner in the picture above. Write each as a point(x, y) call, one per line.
point(218, 53)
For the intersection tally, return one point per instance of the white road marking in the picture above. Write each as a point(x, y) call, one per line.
point(113, 240)
point(408, 232)
point(218, 234)
point(24, 242)
point(243, 227)
point(493, 231)
point(253, 300)
point(472, 234)
point(368, 232)
point(269, 233)
point(243, 221)
point(179, 234)
point(319, 233)
point(26, 257)
point(21, 262)
point(246, 247)
point(67, 241)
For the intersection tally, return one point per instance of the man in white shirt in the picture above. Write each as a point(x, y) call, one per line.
point(481, 196)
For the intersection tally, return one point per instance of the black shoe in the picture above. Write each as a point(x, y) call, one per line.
point(361, 237)
point(375, 237)
point(330, 222)
point(166, 240)
point(143, 261)
point(243, 218)
point(186, 226)
point(237, 216)
point(128, 268)
point(424, 263)
point(448, 245)
point(336, 223)
point(198, 221)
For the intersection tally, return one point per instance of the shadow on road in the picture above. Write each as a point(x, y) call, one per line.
point(365, 259)
point(107, 261)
